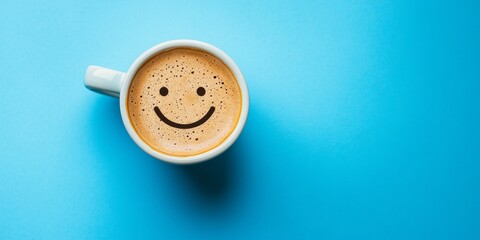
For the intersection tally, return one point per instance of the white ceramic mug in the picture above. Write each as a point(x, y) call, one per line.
point(116, 84)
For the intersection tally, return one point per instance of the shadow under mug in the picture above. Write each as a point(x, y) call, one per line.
point(116, 84)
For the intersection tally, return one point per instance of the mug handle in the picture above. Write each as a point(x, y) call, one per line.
point(103, 80)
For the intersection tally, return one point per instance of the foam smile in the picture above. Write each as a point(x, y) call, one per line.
point(184, 126)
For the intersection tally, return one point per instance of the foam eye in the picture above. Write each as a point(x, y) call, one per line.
point(201, 91)
point(163, 91)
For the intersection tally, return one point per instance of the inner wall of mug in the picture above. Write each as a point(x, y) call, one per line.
point(208, 153)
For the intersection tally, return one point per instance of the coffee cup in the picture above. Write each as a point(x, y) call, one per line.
point(181, 101)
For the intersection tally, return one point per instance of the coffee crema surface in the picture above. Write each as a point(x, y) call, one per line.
point(184, 102)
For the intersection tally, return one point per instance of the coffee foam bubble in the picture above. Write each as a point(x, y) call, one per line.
point(184, 84)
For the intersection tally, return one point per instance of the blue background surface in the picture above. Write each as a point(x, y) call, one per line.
point(364, 122)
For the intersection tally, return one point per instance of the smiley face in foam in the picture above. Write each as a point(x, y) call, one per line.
point(184, 102)
point(200, 92)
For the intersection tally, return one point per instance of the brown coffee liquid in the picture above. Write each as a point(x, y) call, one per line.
point(184, 102)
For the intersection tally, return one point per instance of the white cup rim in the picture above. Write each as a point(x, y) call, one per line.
point(188, 44)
